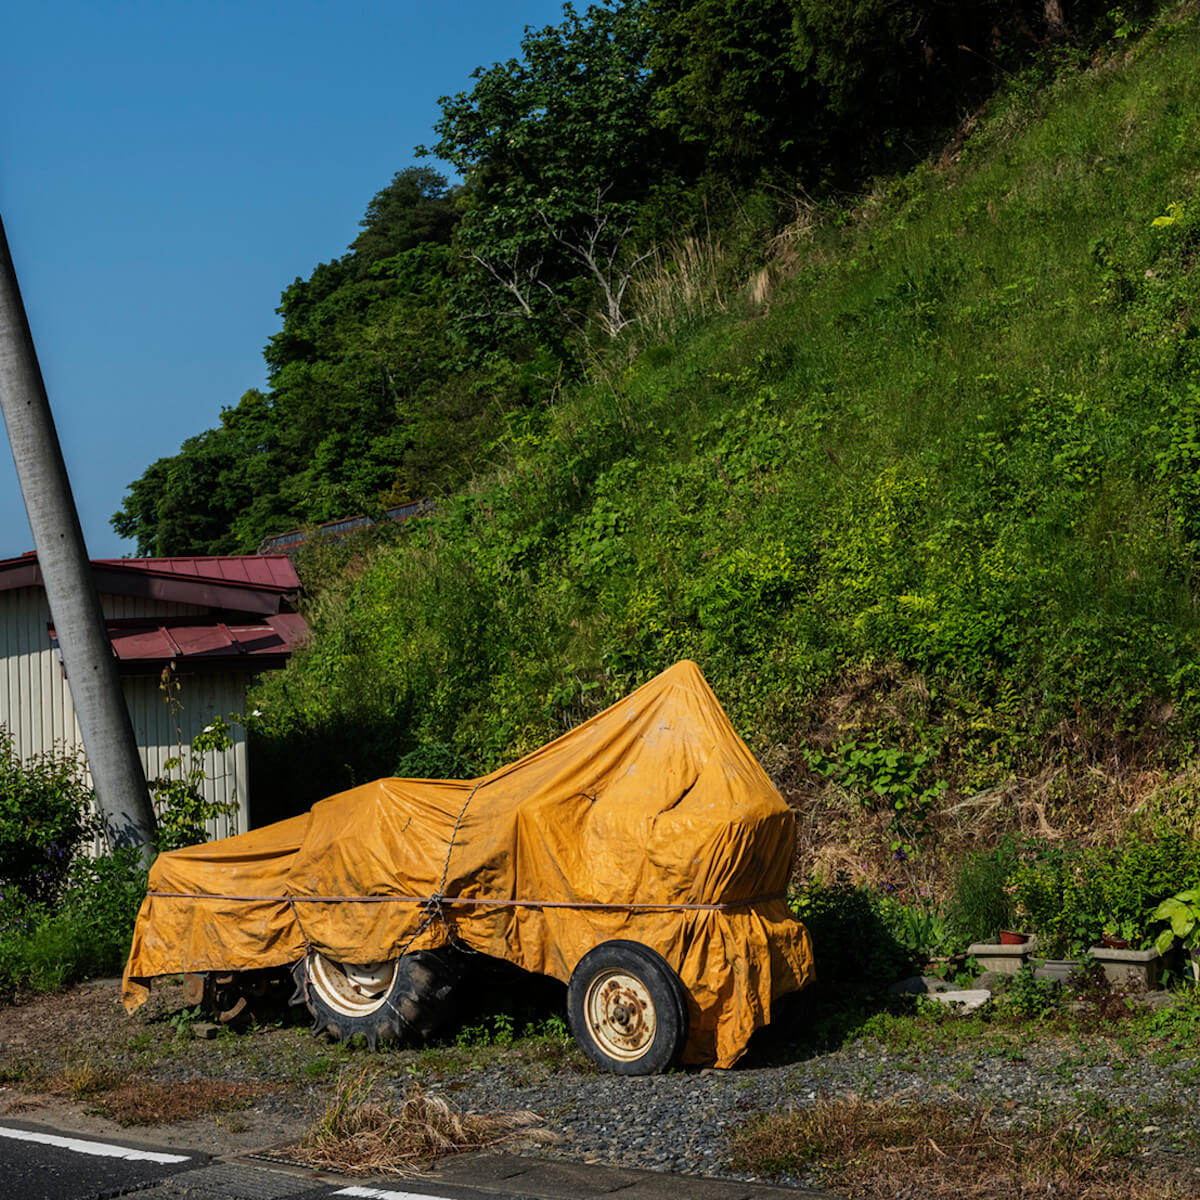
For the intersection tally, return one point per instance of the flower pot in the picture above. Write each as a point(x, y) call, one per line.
point(1059, 969)
point(1122, 966)
point(1000, 958)
point(1009, 938)
point(1112, 942)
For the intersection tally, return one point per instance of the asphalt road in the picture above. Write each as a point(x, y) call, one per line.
point(40, 1163)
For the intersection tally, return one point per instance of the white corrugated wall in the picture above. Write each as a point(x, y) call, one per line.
point(36, 708)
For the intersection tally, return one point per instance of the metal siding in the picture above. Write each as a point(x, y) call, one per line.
point(35, 700)
point(144, 606)
point(160, 737)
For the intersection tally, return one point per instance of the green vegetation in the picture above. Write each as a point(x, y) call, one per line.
point(45, 818)
point(406, 366)
point(66, 914)
point(980, 906)
point(180, 808)
point(738, 341)
point(63, 915)
point(928, 514)
point(86, 932)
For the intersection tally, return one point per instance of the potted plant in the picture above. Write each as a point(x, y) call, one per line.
point(1120, 956)
point(1182, 912)
point(1046, 892)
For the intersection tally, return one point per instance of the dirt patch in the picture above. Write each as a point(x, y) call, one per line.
point(79, 1061)
point(159, 1104)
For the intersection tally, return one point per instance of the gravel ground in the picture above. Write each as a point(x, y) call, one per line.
point(676, 1122)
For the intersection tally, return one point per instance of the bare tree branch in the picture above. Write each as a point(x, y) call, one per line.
point(597, 247)
point(514, 279)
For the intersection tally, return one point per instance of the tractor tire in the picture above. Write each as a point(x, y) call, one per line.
point(406, 999)
point(628, 1009)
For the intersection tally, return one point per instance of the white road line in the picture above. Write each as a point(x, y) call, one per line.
point(100, 1149)
point(382, 1194)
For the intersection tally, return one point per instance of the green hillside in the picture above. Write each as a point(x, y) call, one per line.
point(921, 498)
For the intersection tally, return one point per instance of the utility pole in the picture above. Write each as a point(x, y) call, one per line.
point(108, 739)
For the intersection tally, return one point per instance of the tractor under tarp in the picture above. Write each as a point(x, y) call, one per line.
point(651, 822)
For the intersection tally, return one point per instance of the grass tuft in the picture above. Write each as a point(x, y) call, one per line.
point(880, 1149)
point(359, 1135)
point(167, 1104)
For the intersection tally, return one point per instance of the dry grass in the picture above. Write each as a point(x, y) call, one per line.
point(678, 284)
point(878, 1151)
point(1091, 789)
point(360, 1135)
point(83, 1078)
point(166, 1104)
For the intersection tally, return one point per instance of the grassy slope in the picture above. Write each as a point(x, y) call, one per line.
point(939, 493)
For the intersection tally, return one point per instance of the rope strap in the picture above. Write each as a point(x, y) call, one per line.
point(472, 901)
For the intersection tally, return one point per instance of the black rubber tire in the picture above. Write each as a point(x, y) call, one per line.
point(617, 1034)
point(424, 995)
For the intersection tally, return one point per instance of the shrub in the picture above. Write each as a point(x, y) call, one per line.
point(1071, 895)
point(1026, 996)
point(851, 941)
point(1047, 898)
point(46, 814)
point(87, 932)
point(434, 760)
point(1125, 884)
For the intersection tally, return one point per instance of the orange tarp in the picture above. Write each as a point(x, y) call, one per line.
point(652, 821)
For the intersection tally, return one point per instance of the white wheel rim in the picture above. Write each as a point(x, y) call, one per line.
point(620, 1014)
point(352, 989)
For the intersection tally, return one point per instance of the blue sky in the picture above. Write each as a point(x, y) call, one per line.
point(168, 168)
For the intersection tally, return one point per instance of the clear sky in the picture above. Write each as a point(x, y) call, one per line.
point(168, 167)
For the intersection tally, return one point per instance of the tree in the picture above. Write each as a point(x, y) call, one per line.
point(827, 90)
point(557, 152)
point(414, 209)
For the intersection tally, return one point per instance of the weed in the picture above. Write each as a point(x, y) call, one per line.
point(181, 1022)
point(980, 905)
point(85, 1078)
point(166, 1104)
point(878, 1149)
point(1027, 996)
point(318, 1067)
point(359, 1134)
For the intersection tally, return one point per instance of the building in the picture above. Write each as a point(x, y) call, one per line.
point(216, 622)
point(288, 543)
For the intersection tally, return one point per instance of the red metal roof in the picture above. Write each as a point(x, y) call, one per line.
point(248, 596)
point(247, 583)
point(253, 570)
point(149, 644)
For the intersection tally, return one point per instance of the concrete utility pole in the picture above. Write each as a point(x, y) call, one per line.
point(108, 739)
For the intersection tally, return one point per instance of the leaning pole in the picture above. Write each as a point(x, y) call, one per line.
point(117, 773)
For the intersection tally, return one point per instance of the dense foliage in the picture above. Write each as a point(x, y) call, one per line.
point(936, 503)
point(64, 915)
point(911, 475)
point(46, 816)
